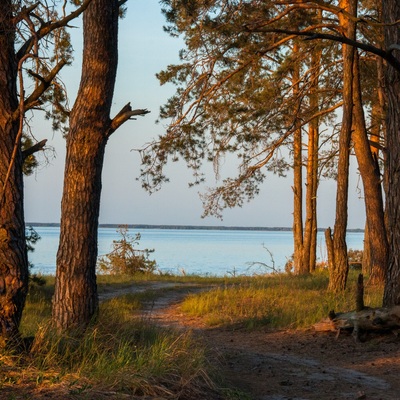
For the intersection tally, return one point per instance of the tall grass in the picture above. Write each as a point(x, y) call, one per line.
point(277, 301)
point(121, 352)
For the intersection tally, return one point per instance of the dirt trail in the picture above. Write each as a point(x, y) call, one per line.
point(298, 365)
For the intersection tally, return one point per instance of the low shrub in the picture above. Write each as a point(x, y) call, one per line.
point(125, 259)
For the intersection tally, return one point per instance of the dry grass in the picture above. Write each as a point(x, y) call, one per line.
point(120, 355)
point(278, 301)
point(123, 355)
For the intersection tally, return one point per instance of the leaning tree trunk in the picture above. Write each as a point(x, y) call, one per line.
point(391, 13)
point(13, 257)
point(371, 178)
point(75, 300)
point(338, 272)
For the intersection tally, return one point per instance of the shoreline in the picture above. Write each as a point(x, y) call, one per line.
point(189, 227)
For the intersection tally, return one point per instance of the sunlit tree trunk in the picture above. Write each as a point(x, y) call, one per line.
point(311, 199)
point(297, 202)
point(370, 175)
point(297, 174)
point(391, 14)
point(339, 265)
point(13, 257)
point(310, 229)
point(297, 179)
point(75, 300)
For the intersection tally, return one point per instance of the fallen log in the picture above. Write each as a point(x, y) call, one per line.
point(366, 320)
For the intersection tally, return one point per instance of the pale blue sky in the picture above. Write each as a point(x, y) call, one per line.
point(144, 50)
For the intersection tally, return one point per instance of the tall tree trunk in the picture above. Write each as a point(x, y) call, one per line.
point(311, 189)
point(297, 202)
point(297, 179)
point(391, 13)
point(339, 271)
point(75, 300)
point(310, 229)
point(370, 175)
point(13, 257)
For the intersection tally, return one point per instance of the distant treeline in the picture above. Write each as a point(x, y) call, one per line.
point(190, 227)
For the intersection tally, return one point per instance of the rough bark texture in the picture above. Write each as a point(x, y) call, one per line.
point(338, 272)
point(75, 300)
point(370, 175)
point(297, 202)
point(329, 248)
point(13, 258)
point(310, 228)
point(367, 320)
point(366, 257)
point(297, 181)
point(391, 13)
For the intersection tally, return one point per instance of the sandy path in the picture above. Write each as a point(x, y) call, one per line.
point(298, 365)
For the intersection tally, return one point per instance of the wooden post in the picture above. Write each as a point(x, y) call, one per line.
point(360, 293)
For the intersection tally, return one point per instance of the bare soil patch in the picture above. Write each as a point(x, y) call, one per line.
point(292, 364)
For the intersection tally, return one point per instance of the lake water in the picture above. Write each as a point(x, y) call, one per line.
point(194, 251)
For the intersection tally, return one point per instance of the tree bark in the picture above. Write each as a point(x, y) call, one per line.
point(391, 13)
point(75, 300)
point(310, 228)
point(329, 248)
point(380, 320)
point(366, 257)
point(370, 175)
point(13, 256)
point(297, 179)
point(339, 271)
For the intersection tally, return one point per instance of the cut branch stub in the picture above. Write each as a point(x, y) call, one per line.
point(124, 115)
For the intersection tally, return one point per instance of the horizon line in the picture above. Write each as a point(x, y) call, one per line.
point(189, 227)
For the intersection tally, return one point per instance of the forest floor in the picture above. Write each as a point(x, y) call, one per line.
point(263, 364)
point(290, 364)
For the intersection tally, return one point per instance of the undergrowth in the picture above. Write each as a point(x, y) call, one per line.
point(123, 354)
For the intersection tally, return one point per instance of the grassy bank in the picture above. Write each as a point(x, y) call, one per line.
point(122, 354)
point(276, 301)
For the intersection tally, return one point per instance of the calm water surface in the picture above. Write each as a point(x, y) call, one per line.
point(213, 252)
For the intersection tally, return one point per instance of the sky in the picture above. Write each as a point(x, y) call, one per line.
point(144, 50)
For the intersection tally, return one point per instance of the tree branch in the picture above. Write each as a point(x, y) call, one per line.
point(45, 82)
point(24, 12)
point(386, 55)
point(34, 149)
point(49, 27)
point(124, 115)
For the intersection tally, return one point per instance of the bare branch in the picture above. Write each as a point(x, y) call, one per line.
point(49, 27)
point(32, 100)
point(34, 149)
point(124, 115)
point(25, 11)
point(20, 116)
